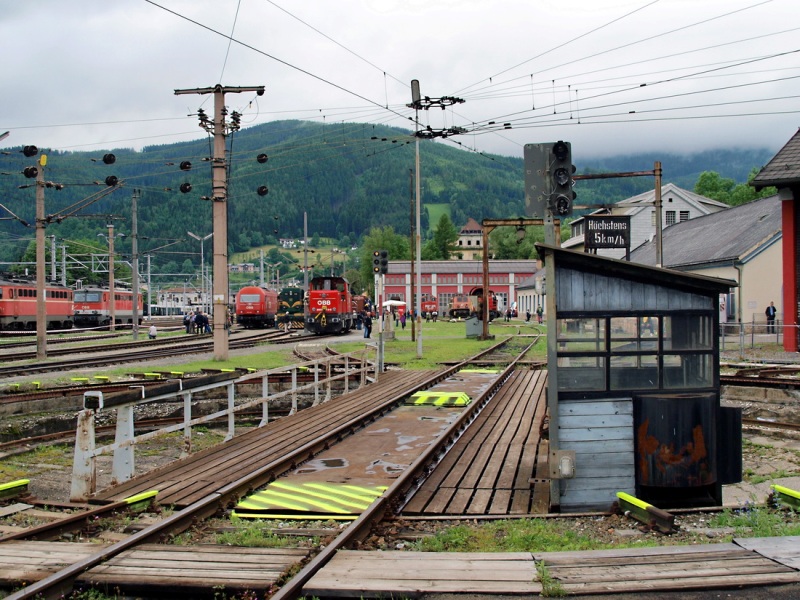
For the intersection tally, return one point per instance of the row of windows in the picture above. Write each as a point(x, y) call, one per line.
point(669, 217)
point(635, 353)
point(31, 293)
point(469, 243)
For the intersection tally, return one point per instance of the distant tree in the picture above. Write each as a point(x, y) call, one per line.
point(712, 185)
point(314, 243)
point(444, 238)
point(187, 266)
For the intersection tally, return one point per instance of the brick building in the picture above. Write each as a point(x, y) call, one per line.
point(442, 279)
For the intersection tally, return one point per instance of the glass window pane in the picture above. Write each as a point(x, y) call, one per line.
point(632, 334)
point(581, 329)
point(687, 371)
point(687, 332)
point(582, 373)
point(634, 372)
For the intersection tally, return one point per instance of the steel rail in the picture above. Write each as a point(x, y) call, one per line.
point(60, 583)
point(398, 492)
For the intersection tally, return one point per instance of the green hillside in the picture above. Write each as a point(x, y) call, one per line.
point(348, 178)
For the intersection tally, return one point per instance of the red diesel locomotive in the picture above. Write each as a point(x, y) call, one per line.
point(465, 305)
point(256, 307)
point(93, 307)
point(18, 305)
point(329, 306)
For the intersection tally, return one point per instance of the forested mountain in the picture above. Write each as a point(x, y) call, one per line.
point(348, 178)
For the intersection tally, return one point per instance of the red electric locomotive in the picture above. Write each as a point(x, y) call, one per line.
point(329, 307)
point(256, 307)
point(93, 307)
point(18, 305)
point(428, 305)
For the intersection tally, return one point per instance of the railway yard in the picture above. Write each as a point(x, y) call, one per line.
point(345, 493)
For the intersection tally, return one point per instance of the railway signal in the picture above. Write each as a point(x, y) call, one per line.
point(380, 262)
point(561, 170)
point(548, 179)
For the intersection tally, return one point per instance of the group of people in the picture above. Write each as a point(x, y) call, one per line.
point(539, 315)
point(196, 322)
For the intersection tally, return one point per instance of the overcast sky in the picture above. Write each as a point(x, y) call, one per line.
point(611, 76)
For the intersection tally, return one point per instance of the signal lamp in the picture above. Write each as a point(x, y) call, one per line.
point(262, 158)
point(186, 166)
point(262, 190)
point(376, 262)
point(109, 159)
point(30, 151)
point(112, 180)
point(186, 187)
point(30, 172)
point(561, 170)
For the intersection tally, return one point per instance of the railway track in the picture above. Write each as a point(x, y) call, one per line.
point(132, 352)
point(204, 506)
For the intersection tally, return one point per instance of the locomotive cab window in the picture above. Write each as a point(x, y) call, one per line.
point(249, 298)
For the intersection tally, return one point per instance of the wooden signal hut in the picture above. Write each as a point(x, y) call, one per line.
point(634, 393)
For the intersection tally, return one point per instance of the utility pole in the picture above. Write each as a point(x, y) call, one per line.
point(41, 298)
point(219, 197)
point(135, 261)
point(413, 253)
point(112, 301)
point(417, 103)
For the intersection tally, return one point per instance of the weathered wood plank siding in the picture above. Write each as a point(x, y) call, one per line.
point(601, 434)
point(587, 292)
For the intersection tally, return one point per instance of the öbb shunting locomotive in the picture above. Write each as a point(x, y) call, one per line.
point(466, 305)
point(256, 307)
point(18, 305)
point(329, 307)
point(92, 307)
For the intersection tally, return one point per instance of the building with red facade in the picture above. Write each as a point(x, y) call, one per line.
point(442, 279)
point(783, 172)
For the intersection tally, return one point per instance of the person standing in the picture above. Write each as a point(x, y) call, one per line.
point(367, 325)
point(771, 312)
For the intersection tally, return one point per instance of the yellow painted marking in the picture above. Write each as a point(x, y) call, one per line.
point(14, 484)
point(632, 500)
point(439, 399)
point(149, 495)
point(328, 500)
point(786, 491)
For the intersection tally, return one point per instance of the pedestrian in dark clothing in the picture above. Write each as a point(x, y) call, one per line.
point(367, 325)
point(771, 312)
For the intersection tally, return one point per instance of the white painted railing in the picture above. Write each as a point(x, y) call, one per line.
point(343, 367)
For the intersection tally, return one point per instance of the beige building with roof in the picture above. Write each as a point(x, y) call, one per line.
point(678, 205)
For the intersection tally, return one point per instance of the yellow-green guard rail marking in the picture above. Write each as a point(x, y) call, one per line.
point(490, 371)
point(311, 500)
point(786, 495)
point(428, 398)
point(14, 488)
point(140, 501)
point(646, 513)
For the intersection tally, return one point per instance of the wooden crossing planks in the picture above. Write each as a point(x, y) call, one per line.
point(188, 479)
point(488, 471)
point(631, 570)
point(198, 568)
point(27, 561)
point(664, 568)
point(359, 573)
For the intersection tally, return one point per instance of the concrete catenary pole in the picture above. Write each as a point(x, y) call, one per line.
point(219, 197)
